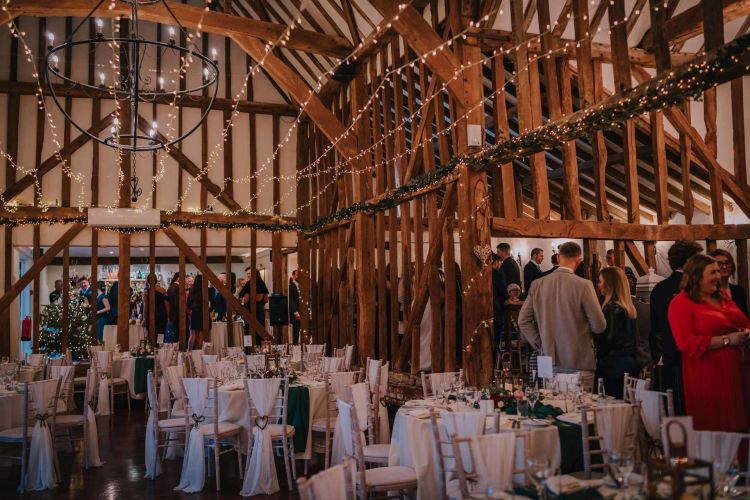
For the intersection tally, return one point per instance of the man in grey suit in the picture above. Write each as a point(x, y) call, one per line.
point(560, 314)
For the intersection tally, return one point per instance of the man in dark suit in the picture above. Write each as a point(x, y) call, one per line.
point(509, 266)
point(555, 265)
point(499, 296)
point(662, 341)
point(532, 269)
point(294, 305)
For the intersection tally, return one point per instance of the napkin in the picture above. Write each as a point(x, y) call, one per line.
point(419, 413)
point(565, 484)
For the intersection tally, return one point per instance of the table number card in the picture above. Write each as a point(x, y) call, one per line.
point(544, 367)
point(247, 340)
point(160, 339)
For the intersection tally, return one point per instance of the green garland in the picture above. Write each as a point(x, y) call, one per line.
point(687, 83)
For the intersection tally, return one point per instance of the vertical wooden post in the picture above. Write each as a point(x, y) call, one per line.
point(95, 280)
point(649, 250)
point(473, 220)
point(504, 201)
point(276, 258)
point(123, 304)
point(152, 287)
point(303, 244)
point(713, 32)
point(36, 306)
point(364, 231)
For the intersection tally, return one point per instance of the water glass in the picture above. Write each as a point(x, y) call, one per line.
point(522, 406)
point(539, 470)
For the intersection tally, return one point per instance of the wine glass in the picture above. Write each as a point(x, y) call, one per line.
point(727, 472)
point(538, 469)
point(533, 396)
point(600, 391)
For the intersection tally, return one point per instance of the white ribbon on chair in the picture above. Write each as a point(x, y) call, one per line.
point(102, 405)
point(153, 464)
point(493, 460)
point(382, 434)
point(91, 446)
point(331, 483)
point(260, 472)
point(165, 355)
point(65, 374)
point(41, 462)
point(345, 417)
point(196, 357)
point(193, 475)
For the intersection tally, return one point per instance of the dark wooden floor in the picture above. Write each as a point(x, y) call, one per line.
point(121, 442)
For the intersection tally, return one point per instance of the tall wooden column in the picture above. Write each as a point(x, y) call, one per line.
point(473, 223)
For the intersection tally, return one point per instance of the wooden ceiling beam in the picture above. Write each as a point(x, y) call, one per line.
point(603, 230)
point(689, 23)
point(351, 21)
point(221, 104)
point(419, 35)
point(191, 17)
point(490, 39)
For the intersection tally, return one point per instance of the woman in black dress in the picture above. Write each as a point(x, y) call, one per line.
point(195, 302)
point(161, 310)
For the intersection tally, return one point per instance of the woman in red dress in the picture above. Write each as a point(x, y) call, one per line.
point(710, 331)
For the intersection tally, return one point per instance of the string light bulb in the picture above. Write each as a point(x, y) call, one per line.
point(99, 27)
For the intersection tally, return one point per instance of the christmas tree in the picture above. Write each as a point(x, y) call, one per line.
point(79, 327)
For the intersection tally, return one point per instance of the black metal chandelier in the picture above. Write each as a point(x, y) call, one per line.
point(135, 81)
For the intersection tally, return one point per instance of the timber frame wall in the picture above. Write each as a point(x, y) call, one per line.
point(620, 184)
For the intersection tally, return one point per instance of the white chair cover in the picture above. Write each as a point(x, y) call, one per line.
point(613, 424)
point(462, 424)
point(331, 484)
point(260, 473)
point(256, 362)
point(68, 358)
point(210, 358)
point(174, 374)
point(41, 462)
point(348, 356)
point(717, 447)
point(438, 379)
point(235, 352)
point(91, 456)
point(102, 406)
point(296, 353)
point(55, 362)
point(193, 476)
point(35, 359)
point(329, 364)
point(345, 417)
point(493, 460)
point(153, 464)
point(65, 374)
point(165, 357)
point(197, 359)
point(317, 348)
point(361, 400)
point(223, 370)
point(652, 411)
point(339, 382)
point(382, 434)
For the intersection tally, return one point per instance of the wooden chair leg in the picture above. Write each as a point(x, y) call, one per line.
point(216, 464)
point(239, 456)
point(286, 463)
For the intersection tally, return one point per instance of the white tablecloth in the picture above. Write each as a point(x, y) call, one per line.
point(11, 410)
point(413, 445)
point(233, 408)
point(135, 334)
point(30, 373)
point(219, 336)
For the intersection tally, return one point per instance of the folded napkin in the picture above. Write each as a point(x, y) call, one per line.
point(566, 485)
point(419, 413)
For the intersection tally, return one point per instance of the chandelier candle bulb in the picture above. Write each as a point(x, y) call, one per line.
point(102, 79)
point(171, 35)
point(99, 27)
point(50, 40)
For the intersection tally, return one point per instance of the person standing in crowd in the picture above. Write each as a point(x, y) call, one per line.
point(55, 296)
point(711, 333)
point(294, 311)
point(218, 300)
point(629, 274)
point(195, 301)
point(555, 265)
point(533, 270)
point(261, 297)
point(560, 313)
point(86, 293)
point(173, 298)
point(189, 280)
point(499, 296)
point(161, 309)
point(113, 296)
point(509, 266)
point(662, 341)
point(727, 268)
point(102, 308)
point(514, 295)
point(617, 346)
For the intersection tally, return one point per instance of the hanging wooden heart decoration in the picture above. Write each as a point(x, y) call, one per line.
point(482, 252)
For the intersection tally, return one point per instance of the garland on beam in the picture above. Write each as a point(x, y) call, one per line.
point(688, 82)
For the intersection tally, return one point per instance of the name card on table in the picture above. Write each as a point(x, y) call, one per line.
point(160, 339)
point(544, 367)
point(247, 340)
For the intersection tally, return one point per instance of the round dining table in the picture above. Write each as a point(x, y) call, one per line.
point(220, 334)
point(136, 332)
